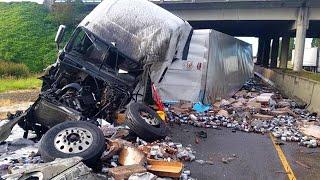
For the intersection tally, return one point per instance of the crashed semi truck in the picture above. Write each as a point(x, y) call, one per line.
point(120, 55)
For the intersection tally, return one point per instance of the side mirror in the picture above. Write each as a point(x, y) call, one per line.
point(59, 36)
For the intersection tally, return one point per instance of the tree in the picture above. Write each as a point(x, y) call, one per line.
point(291, 47)
point(68, 13)
point(315, 42)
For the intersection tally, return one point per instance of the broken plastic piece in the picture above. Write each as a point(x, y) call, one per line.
point(199, 107)
point(162, 115)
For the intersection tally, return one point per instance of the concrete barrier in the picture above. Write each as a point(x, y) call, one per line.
point(295, 87)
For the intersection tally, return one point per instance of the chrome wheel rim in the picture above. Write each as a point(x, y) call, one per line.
point(73, 140)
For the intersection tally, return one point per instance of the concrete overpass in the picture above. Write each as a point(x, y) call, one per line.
point(266, 19)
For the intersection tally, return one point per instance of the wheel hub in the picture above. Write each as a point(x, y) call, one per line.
point(149, 119)
point(73, 140)
point(73, 137)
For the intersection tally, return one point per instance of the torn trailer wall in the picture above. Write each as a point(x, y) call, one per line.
point(140, 30)
point(217, 65)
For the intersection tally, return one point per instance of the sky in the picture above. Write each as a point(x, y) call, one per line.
point(254, 42)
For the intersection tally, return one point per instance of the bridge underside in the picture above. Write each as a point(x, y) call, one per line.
point(255, 28)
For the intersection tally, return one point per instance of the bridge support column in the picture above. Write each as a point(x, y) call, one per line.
point(284, 52)
point(266, 52)
point(301, 24)
point(274, 52)
point(260, 51)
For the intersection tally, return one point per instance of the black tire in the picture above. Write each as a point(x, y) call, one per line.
point(90, 156)
point(140, 127)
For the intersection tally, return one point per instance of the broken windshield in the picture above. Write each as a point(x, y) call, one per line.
point(99, 53)
point(89, 47)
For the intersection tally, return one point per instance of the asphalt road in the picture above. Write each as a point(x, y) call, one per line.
point(256, 157)
point(305, 162)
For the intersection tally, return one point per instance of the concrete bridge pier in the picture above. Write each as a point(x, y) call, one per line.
point(274, 52)
point(266, 51)
point(260, 51)
point(285, 42)
point(301, 25)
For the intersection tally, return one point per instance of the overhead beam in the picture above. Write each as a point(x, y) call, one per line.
point(231, 4)
point(237, 14)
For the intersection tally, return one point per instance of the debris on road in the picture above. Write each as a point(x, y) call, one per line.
point(70, 168)
point(131, 156)
point(311, 130)
point(124, 172)
point(145, 175)
point(127, 154)
point(255, 108)
point(163, 168)
point(303, 164)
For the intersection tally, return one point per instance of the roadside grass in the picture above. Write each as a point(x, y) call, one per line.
point(10, 69)
point(11, 84)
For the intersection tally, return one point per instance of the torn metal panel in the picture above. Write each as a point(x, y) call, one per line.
point(184, 80)
point(79, 172)
point(230, 65)
point(69, 168)
point(217, 66)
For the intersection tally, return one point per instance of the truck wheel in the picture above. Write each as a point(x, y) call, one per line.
point(145, 122)
point(73, 138)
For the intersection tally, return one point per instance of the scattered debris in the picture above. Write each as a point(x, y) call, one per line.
point(120, 118)
point(128, 155)
point(202, 134)
point(263, 110)
point(223, 113)
point(228, 159)
point(124, 172)
point(225, 161)
point(277, 142)
point(311, 130)
point(303, 165)
point(143, 176)
point(281, 172)
point(131, 156)
point(70, 168)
